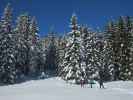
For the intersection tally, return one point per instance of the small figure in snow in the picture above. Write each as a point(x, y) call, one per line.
point(82, 83)
point(101, 76)
point(91, 83)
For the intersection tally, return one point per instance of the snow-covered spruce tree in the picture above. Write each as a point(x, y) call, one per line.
point(103, 58)
point(61, 51)
point(22, 32)
point(94, 54)
point(90, 53)
point(120, 43)
point(36, 51)
point(74, 68)
point(109, 38)
point(41, 57)
point(125, 26)
point(51, 63)
point(7, 59)
point(33, 47)
point(113, 40)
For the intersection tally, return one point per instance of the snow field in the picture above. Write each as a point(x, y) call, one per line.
point(57, 89)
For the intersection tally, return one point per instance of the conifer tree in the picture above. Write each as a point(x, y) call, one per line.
point(125, 26)
point(33, 46)
point(61, 52)
point(89, 49)
point(22, 32)
point(73, 64)
point(120, 45)
point(103, 58)
point(114, 45)
point(7, 59)
point(36, 51)
point(52, 55)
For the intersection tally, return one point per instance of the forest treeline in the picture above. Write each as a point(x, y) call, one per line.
point(77, 55)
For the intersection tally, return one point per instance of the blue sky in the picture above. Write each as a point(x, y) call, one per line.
point(57, 13)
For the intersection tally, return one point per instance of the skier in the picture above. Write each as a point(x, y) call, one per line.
point(101, 76)
point(91, 83)
point(82, 83)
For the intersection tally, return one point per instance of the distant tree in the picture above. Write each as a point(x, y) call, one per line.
point(22, 32)
point(52, 54)
point(36, 52)
point(7, 59)
point(119, 42)
point(61, 52)
point(103, 61)
point(125, 27)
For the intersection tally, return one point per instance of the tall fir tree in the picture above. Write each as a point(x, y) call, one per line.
point(22, 32)
point(103, 58)
point(88, 42)
point(125, 26)
point(73, 64)
point(61, 51)
point(7, 59)
point(36, 51)
point(119, 42)
point(52, 54)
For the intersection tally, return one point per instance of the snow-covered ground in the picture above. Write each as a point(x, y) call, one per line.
point(55, 89)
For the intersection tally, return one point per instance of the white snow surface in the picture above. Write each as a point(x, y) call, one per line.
point(57, 89)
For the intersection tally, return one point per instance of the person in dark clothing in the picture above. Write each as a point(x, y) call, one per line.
point(101, 76)
point(91, 82)
point(82, 83)
point(101, 84)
